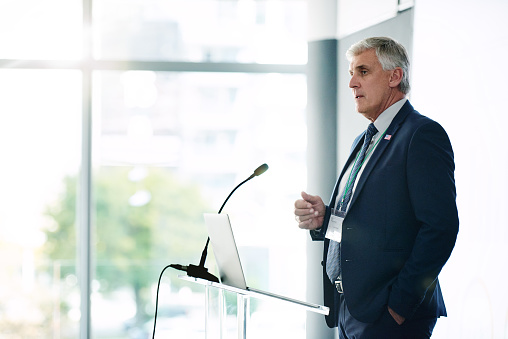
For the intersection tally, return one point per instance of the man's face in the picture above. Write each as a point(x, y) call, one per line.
point(371, 86)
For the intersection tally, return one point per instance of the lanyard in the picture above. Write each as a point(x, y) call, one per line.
point(349, 182)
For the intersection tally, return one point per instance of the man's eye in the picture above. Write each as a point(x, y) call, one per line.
point(364, 72)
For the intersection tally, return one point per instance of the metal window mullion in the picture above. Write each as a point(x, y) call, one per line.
point(158, 66)
point(84, 225)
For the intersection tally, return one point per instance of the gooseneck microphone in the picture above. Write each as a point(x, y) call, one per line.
point(201, 271)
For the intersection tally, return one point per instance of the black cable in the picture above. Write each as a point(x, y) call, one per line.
point(178, 267)
point(192, 271)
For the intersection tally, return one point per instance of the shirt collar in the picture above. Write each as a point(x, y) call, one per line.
point(385, 119)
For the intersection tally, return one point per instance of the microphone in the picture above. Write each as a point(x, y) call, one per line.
point(258, 171)
point(201, 271)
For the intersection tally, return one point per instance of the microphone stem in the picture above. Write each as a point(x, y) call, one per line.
point(230, 194)
point(203, 255)
point(205, 250)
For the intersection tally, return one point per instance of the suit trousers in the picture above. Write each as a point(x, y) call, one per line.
point(384, 328)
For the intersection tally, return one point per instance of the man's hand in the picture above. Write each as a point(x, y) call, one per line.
point(309, 211)
point(398, 318)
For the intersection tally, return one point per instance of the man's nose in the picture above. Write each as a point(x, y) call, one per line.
point(353, 82)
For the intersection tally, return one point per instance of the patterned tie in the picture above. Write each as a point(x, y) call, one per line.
point(333, 257)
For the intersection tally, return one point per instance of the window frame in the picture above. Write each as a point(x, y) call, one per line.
point(87, 65)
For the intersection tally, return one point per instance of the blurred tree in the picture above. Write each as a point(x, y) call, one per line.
point(144, 219)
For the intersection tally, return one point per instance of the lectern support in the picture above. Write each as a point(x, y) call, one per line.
point(243, 305)
point(243, 310)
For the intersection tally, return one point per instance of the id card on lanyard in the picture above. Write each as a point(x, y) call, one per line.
point(334, 231)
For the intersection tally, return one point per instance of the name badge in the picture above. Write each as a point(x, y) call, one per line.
point(334, 231)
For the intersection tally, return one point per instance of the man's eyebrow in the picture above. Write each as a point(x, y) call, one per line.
point(359, 67)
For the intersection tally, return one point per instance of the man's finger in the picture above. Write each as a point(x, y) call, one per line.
point(310, 198)
point(305, 212)
point(302, 204)
point(305, 224)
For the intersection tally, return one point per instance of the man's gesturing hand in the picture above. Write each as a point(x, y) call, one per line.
point(398, 318)
point(309, 211)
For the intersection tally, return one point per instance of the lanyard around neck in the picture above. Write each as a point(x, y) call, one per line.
point(352, 175)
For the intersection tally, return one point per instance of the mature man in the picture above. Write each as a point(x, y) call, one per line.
point(392, 220)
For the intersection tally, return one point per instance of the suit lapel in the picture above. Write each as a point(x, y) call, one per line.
point(381, 147)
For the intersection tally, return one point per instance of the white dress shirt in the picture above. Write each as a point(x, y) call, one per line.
point(382, 122)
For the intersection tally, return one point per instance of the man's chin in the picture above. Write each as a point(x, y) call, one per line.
point(360, 111)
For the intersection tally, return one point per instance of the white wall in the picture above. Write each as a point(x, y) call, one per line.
point(460, 79)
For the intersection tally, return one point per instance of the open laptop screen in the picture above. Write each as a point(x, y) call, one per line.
point(225, 250)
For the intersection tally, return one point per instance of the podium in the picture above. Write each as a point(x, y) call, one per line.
point(243, 304)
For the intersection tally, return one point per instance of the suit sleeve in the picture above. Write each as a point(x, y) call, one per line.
point(431, 184)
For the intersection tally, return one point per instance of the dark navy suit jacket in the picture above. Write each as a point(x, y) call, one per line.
point(401, 224)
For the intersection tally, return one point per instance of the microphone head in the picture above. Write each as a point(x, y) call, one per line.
point(260, 170)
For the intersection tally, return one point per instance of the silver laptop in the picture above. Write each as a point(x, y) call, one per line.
point(228, 260)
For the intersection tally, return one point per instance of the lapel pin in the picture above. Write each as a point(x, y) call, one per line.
point(388, 137)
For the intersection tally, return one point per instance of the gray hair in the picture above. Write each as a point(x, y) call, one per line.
point(390, 54)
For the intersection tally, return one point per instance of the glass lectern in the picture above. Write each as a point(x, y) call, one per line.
point(242, 306)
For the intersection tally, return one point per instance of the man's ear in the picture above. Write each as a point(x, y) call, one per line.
point(396, 77)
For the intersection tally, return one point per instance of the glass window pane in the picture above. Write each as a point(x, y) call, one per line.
point(33, 29)
point(40, 114)
point(201, 30)
point(169, 147)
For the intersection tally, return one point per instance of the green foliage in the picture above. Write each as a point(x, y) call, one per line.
point(139, 227)
point(61, 236)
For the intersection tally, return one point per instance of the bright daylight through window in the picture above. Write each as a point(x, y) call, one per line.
point(167, 105)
